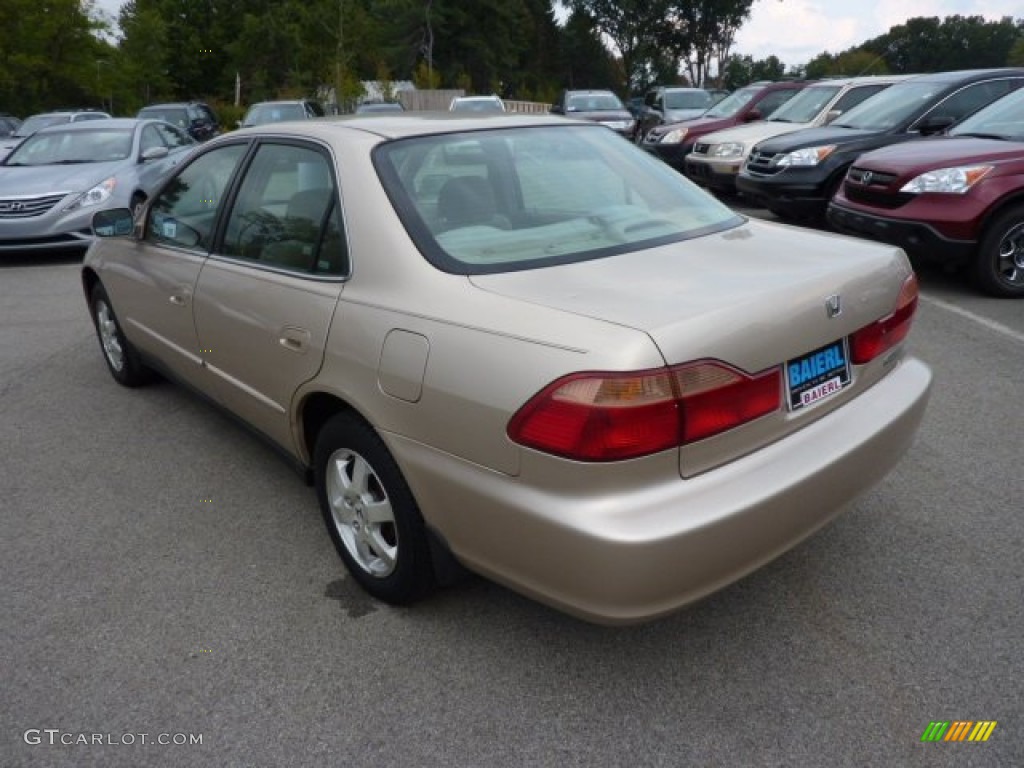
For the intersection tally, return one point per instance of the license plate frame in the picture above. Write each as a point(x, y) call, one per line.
point(817, 375)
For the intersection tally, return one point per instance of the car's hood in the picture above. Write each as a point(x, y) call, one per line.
point(603, 116)
point(940, 152)
point(814, 137)
point(17, 181)
point(754, 291)
point(751, 133)
point(677, 115)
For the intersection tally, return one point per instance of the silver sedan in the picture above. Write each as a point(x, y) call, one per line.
point(52, 184)
point(519, 345)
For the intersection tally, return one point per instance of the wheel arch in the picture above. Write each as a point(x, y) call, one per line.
point(1011, 200)
point(89, 281)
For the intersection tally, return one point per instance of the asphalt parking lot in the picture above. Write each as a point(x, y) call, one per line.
point(167, 581)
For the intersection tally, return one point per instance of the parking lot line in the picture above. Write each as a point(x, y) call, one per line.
point(992, 325)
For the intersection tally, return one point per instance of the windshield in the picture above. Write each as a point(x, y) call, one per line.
point(806, 105)
point(595, 102)
point(732, 103)
point(64, 147)
point(891, 107)
point(38, 122)
point(511, 199)
point(174, 115)
point(260, 114)
point(1003, 119)
point(477, 105)
point(687, 99)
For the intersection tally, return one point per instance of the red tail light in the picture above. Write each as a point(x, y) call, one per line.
point(613, 416)
point(879, 337)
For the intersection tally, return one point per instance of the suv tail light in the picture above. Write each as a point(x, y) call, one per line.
point(603, 416)
point(882, 335)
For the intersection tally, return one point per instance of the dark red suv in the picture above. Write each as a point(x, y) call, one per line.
point(956, 199)
point(672, 142)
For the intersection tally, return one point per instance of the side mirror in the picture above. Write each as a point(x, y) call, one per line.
point(114, 222)
point(154, 153)
point(832, 114)
point(752, 115)
point(934, 124)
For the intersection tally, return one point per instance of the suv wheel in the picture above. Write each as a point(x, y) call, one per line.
point(999, 263)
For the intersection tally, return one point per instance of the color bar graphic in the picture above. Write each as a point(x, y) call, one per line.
point(958, 730)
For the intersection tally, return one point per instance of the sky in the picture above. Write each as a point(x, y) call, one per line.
point(798, 30)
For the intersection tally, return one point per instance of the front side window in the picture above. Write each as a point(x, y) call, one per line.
point(502, 200)
point(805, 105)
point(185, 211)
point(733, 103)
point(283, 215)
point(772, 101)
point(892, 106)
point(856, 95)
point(1002, 119)
point(973, 97)
point(687, 99)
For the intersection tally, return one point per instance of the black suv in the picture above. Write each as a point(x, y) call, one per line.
point(795, 175)
point(194, 117)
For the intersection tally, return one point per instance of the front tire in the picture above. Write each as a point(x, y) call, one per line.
point(122, 359)
point(998, 267)
point(370, 512)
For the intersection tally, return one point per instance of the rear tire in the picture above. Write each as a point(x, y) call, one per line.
point(123, 361)
point(370, 512)
point(998, 267)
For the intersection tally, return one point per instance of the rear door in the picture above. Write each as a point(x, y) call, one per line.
point(266, 297)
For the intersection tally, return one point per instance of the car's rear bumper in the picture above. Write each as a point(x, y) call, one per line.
point(615, 555)
point(919, 239)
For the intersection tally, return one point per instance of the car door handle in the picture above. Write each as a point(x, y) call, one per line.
point(294, 339)
point(177, 300)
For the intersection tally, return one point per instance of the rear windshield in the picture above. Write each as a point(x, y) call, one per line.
point(174, 115)
point(503, 200)
point(687, 100)
point(892, 107)
point(595, 102)
point(274, 113)
point(37, 122)
point(806, 105)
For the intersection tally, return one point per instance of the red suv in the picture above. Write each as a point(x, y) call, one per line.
point(956, 199)
point(672, 142)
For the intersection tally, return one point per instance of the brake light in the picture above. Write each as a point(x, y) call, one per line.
point(882, 335)
point(613, 416)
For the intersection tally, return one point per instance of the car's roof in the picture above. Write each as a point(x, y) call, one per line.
point(861, 80)
point(965, 75)
point(171, 104)
point(279, 101)
point(93, 125)
point(397, 125)
point(492, 97)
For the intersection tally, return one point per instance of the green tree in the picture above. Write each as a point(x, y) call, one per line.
point(700, 33)
point(586, 62)
point(50, 52)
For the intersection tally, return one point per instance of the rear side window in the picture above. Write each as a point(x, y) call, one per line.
point(284, 214)
point(773, 101)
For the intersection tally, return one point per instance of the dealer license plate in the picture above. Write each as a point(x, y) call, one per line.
point(817, 375)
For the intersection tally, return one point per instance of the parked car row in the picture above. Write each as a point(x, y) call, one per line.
point(518, 344)
point(932, 163)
